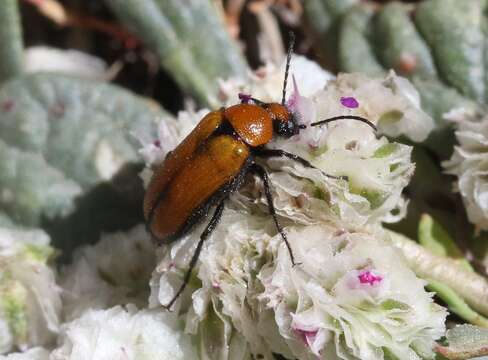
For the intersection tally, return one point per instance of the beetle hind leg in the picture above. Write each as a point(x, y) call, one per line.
point(205, 234)
point(261, 172)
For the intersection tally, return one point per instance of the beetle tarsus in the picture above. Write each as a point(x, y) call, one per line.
point(205, 234)
point(267, 153)
point(261, 172)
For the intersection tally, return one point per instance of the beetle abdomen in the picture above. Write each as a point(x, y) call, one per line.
point(214, 164)
point(177, 158)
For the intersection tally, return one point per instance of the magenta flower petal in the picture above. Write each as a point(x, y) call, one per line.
point(245, 98)
point(367, 277)
point(293, 100)
point(349, 102)
point(307, 336)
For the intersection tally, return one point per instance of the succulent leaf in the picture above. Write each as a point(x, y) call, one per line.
point(189, 40)
point(69, 153)
point(438, 44)
point(11, 57)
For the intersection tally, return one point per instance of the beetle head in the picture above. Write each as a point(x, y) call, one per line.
point(284, 121)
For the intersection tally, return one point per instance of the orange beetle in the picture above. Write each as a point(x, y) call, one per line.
point(212, 162)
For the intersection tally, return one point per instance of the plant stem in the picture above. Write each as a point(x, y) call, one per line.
point(472, 287)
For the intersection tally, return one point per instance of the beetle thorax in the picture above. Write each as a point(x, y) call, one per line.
point(252, 123)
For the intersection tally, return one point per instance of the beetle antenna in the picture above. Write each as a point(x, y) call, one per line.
point(258, 102)
point(288, 60)
point(342, 117)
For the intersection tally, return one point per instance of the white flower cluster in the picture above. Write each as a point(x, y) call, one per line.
point(352, 297)
point(377, 171)
point(364, 303)
point(30, 302)
point(392, 103)
point(114, 271)
point(120, 333)
point(470, 164)
point(266, 84)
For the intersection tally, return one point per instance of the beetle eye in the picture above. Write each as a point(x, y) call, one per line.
point(286, 128)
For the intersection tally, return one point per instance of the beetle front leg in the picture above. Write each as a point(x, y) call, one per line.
point(267, 153)
point(261, 172)
point(205, 234)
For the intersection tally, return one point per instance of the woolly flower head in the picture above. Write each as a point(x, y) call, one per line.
point(470, 164)
point(376, 169)
point(355, 297)
point(119, 333)
point(266, 84)
point(392, 103)
point(104, 275)
point(352, 295)
point(30, 303)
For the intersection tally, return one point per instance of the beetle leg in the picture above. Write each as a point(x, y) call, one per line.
point(261, 172)
point(205, 234)
point(267, 153)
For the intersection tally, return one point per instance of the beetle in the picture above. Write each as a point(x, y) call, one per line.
point(213, 161)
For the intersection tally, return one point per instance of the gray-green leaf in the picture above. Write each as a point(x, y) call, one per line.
point(11, 44)
point(190, 40)
point(69, 155)
point(86, 129)
point(465, 342)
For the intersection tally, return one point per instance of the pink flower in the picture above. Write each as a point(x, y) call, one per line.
point(307, 336)
point(349, 102)
point(367, 277)
point(293, 100)
point(245, 98)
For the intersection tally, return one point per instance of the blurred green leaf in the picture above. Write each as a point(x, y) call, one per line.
point(11, 44)
point(31, 187)
point(433, 237)
point(323, 16)
point(428, 192)
point(354, 50)
point(472, 287)
point(69, 155)
point(5, 221)
point(456, 304)
point(87, 129)
point(453, 30)
point(393, 33)
point(190, 40)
